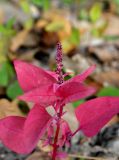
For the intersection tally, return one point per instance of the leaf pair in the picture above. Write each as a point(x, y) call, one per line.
point(22, 134)
point(41, 86)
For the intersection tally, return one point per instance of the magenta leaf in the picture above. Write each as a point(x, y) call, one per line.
point(44, 95)
point(81, 77)
point(94, 114)
point(53, 74)
point(30, 76)
point(22, 134)
point(61, 155)
point(73, 91)
point(48, 94)
point(65, 135)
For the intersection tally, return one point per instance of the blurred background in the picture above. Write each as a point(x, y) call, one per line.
point(89, 33)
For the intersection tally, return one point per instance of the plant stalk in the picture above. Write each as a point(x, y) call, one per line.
point(55, 145)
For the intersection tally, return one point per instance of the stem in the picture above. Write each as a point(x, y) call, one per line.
point(75, 132)
point(60, 81)
point(55, 146)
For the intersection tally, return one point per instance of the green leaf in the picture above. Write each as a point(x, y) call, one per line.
point(2, 29)
point(111, 38)
point(14, 90)
point(67, 2)
point(83, 14)
point(38, 3)
point(108, 91)
point(25, 6)
point(6, 73)
point(116, 1)
point(75, 37)
point(7, 30)
point(54, 26)
point(95, 32)
point(77, 103)
point(95, 12)
point(10, 23)
point(45, 4)
point(4, 79)
point(2, 52)
point(10, 70)
point(28, 24)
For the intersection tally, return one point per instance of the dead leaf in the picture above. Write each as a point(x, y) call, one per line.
point(92, 83)
point(47, 148)
point(8, 108)
point(23, 38)
point(113, 25)
point(67, 46)
point(41, 24)
point(38, 156)
point(113, 121)
point(105, 54)
point(49, 38)
point(55, 17)
point(26, 56)
point(108, 77)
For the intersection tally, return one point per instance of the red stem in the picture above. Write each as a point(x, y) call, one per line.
point(55, 146)
point(75, 132)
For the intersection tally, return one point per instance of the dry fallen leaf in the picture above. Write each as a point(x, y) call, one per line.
point(113, 25)
point(38, 156)
point(25, 38)
point(108, 77)
point(105, 54)
point(8, 108)
point(41, 24)
point(44, 149)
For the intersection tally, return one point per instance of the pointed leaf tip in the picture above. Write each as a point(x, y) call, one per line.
point(94, 114)
point(30, 76)
point(81, 77)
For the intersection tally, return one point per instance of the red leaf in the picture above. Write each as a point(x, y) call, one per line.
point(94, 114)
point(65, 134)
point(81, 77)
point(61, 155)
point(44, 95)
point(20, 134)
point(73, 91)
point(30, 76)
point(53, 74)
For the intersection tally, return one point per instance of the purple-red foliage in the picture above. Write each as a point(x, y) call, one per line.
point(46, 88)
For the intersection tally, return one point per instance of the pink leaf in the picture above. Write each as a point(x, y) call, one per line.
point(81, 77)
point(20, 134)
point(61, 155)
point(53, 74)
point(65, 135)
point(43, 95)
point(30, 76)
point(73, 91)
point(94, 114)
